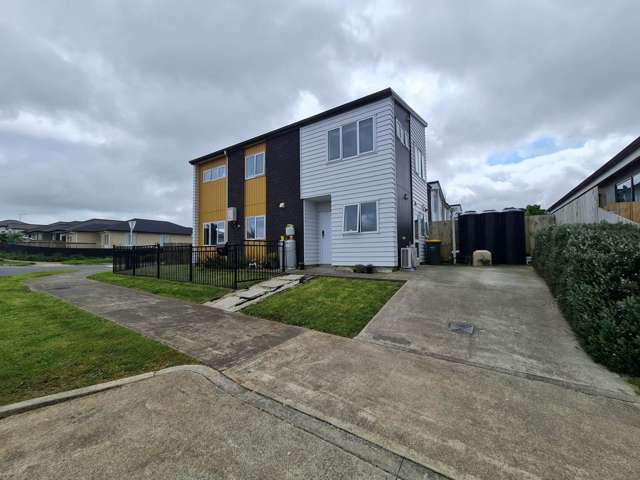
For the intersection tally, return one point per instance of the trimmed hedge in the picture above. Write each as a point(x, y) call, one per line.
point(594, 272)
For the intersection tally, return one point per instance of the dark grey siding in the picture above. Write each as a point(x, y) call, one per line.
point(283, 186)
point(235, 186)
point(403, 182)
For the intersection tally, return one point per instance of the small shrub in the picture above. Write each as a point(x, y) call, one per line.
point(359, 268)
point(594, 272)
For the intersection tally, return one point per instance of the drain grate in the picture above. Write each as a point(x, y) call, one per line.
point(464, 328)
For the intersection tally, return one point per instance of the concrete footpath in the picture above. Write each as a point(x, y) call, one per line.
point(178, 425)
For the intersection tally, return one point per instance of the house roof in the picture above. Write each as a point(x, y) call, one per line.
point(609, 165)
point(54, 227)
point(17, 224)
point(373, 97)
point(143, 225)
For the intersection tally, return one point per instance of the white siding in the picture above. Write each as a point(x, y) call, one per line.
point(419, 185)
point(364, 178)
point(311, 250)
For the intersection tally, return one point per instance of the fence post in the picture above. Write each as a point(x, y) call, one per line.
point(235, 267)
point(113, 259)
point(191, 263)
point(158, 260)
point(133, 255)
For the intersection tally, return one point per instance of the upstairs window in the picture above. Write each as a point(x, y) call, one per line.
point(360, 217)
point(254, 165)
point(351, 140)
point(420, 164)
point(215, 173)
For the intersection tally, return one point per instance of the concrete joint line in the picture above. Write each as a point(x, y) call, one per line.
point(401, 467)
point(576, 387)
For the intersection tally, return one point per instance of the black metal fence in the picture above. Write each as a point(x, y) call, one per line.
point(230, 266)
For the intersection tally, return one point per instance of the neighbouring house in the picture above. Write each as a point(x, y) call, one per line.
point(611, 193)
point(15, 226)
point(439, 209)
point(104, 233)
point(351, 180)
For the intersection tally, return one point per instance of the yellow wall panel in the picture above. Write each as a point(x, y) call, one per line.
point(212, 201)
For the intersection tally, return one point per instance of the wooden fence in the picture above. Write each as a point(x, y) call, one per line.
point(532, 225)
point(628, 210)
point(442, 231)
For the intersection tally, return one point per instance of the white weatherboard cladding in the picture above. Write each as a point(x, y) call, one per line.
point(368, 177)
point(419, 185)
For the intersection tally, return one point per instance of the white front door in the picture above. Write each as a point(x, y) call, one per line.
point(324, 234)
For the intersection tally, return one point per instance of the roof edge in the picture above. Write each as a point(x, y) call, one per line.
point(613, 161)
point(372, 97)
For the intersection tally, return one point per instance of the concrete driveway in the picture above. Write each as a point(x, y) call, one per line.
point(518, 327)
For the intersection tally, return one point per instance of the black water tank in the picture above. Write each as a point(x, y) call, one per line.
point(515, 250)
point(493, 235)
point(468, 225)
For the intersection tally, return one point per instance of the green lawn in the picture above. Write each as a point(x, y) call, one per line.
point(341, 306)
point(67, 260)
point(48, 346)
point(13, 263)
point(184, 291)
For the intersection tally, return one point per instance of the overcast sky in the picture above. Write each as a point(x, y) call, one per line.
point(103, 103)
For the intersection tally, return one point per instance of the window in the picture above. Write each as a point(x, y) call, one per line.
point(213, 233)
point(365, 135)
point(334, 144)
point(215, 173)
point(351, 218)
point(254, 165)
point(164, 238)
point(360, 217)
point(419, 227)
point(420, 164)
point(624, 192)
point(399, 130)
point(407, 143)
point(255, 228)
point(636, 188)
point(350, 140)
point(402, 134)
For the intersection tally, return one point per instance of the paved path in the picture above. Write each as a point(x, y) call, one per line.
point(216, 338)
point(51, 267)
point(172, 426)
point(467, 419)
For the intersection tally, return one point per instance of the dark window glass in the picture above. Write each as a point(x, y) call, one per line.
point(334, 144)
point(349, 140)
point(368, 217)
point(624, 192)
point(366, 135)
point(636, 188)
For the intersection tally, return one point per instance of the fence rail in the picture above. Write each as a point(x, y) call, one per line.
point(229, 266)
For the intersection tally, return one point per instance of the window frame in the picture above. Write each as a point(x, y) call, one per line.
point(420, 162)
point(628, 179)
point(213, 242)
point(246, 227)
point(359, 217)
point(358, 152)
point(253, 156)
point(213, 177)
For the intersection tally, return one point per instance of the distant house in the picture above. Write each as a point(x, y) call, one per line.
point(439, 209)
point(15, 226)
point(104, 233)
point(611, 193)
